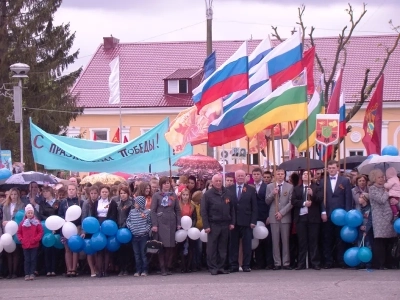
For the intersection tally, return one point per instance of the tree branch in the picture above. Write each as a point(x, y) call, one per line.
point(276, 34)
point(301, 10)
point(319, 62)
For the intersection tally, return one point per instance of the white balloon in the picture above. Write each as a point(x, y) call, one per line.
point(10, 248)
point(180, 235)
point(203, 236)
point(6, 239)
point(254, 243)
point(73, 213)
point(186, 222)
point(1, 246)
point(259, 223)
point(194, 233)
point(54, 222)
point(69, 229)
point(11, 227)
point(260, 232)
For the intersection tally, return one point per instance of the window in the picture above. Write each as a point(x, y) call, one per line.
point(178, 86)
point(99, 134)
point(356, 153)
point(255, 159)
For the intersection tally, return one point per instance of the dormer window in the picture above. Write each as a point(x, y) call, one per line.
point(178, 86)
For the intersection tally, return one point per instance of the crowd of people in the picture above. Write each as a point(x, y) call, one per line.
point(296, 211)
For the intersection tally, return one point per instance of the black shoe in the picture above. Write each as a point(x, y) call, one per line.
point(99, 275)
point(246, 270)
point(213, 272)
point(164, 274)
point(234, 270)
point(269, 268)
point(287, 268)
point(317, 268)
point(276, 268)
point(343, 266)
point(300, 268)
point(223, 271)
point(326, 267)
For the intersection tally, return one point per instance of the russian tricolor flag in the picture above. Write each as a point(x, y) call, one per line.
point(254, 59)
point(284, 61)
point(230, 126)
point(230, 77)
point(342, 119)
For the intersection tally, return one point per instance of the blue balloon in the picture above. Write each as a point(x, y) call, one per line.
point(58, 244)
point(98, 241)
point(75, 243)
point(113, 244)
point(90, 225)
point(5, 173)
point(354, 218)
point(124, 236)
point(390, 150)
point(351, 257)
point(16, 240)
point(364, 254)
point(109, 228)
point(48, 240)
point(348, 234)
point(87, 247)
point(45, 229)
point(19, 216)
point(396, 226)
point(338, 217)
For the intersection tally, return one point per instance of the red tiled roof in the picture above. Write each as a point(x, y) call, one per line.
point(184, 73)
point(143, 66)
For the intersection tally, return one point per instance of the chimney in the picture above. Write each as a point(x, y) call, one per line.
point(110, 42)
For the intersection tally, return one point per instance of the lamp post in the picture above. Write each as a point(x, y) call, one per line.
point(20, 71)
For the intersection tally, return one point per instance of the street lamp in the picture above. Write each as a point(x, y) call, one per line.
point(20, 71)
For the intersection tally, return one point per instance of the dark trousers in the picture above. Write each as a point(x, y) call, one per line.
point(382, 252)
point(307, 234)
point(139, 248)
point(50, 259)
point(246, 234)
point(123, 257)
point(332, 242)
point(165, 257)
point(186, 250)
point(217, 245)
point(263, 252)
point(30, 257)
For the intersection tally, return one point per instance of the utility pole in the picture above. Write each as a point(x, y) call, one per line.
point(209, 15)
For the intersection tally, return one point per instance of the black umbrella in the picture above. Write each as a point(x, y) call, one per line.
point(28, 177)
point(352, 161)
point(301, 164)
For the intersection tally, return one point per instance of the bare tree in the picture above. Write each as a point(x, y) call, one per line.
point(343, 40)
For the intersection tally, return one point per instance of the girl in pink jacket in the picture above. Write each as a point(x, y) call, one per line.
point(392, 185)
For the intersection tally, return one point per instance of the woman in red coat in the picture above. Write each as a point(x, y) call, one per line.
point(30, 233)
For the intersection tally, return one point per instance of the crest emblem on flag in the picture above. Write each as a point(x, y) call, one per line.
point(370, 118)
point(299, 80)
point(327, 129)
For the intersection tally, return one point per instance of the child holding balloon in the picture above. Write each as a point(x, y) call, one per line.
point(30, 233)
point(366, 232)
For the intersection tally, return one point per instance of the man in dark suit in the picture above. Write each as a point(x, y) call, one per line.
point(263, 252)
point(307, 217)
point(245, 203)
point(338, 195)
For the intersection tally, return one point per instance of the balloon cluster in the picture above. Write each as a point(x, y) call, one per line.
point(260, 232)
point(189, 231)
point(350, 221)
point(9, 240)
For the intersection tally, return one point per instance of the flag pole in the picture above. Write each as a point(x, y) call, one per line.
point(283, 149)
point(325, 174)
point(223, 167)
point(268, 152)
point(120, 122)
point(308, 156)
point(344, 153)
point(248, 156)
point(274, 167)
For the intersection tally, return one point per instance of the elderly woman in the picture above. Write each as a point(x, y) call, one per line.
point(360, 188)
point(166, 219)
point(381, 219)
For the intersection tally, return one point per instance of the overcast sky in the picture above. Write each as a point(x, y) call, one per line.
point(180, 20)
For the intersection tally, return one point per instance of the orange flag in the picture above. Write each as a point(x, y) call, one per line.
point(116, 137)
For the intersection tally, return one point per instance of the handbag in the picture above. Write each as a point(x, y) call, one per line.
point(154, 246)
point(396, 249)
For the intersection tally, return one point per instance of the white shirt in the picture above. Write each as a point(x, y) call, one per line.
point(304, 210)
point(333, 181)
point(102, 208)
point(12, 208)
point(258, 185)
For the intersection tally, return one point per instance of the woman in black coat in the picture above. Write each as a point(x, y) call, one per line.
point(104, 209)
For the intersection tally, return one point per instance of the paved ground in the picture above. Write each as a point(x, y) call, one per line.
point(281, 285)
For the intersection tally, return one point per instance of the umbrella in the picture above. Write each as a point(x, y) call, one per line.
point(379, 162)
point(301, 164)
point(126, 176)
point(235, 167)
point(104, 178)
point(199, 162)
point(198, 173)
point(28, 177)
point(352, 161)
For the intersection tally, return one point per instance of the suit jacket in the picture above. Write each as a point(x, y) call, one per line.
point(284, 205)
point(262, 206)
point(111, 213)
point(246, 206)
point(314, 211)
point(341, 197)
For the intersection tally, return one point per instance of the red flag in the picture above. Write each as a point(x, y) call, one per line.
point(373, 121)
point(308, 62)
point(94, 136)
point(116, 137)
point(125, 139)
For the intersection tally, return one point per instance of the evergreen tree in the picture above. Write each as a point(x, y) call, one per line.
point(27, 35)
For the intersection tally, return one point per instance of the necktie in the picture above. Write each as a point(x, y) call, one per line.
point(279, 190)
point(305, 193)
point(333, 178)
point(239, 191)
